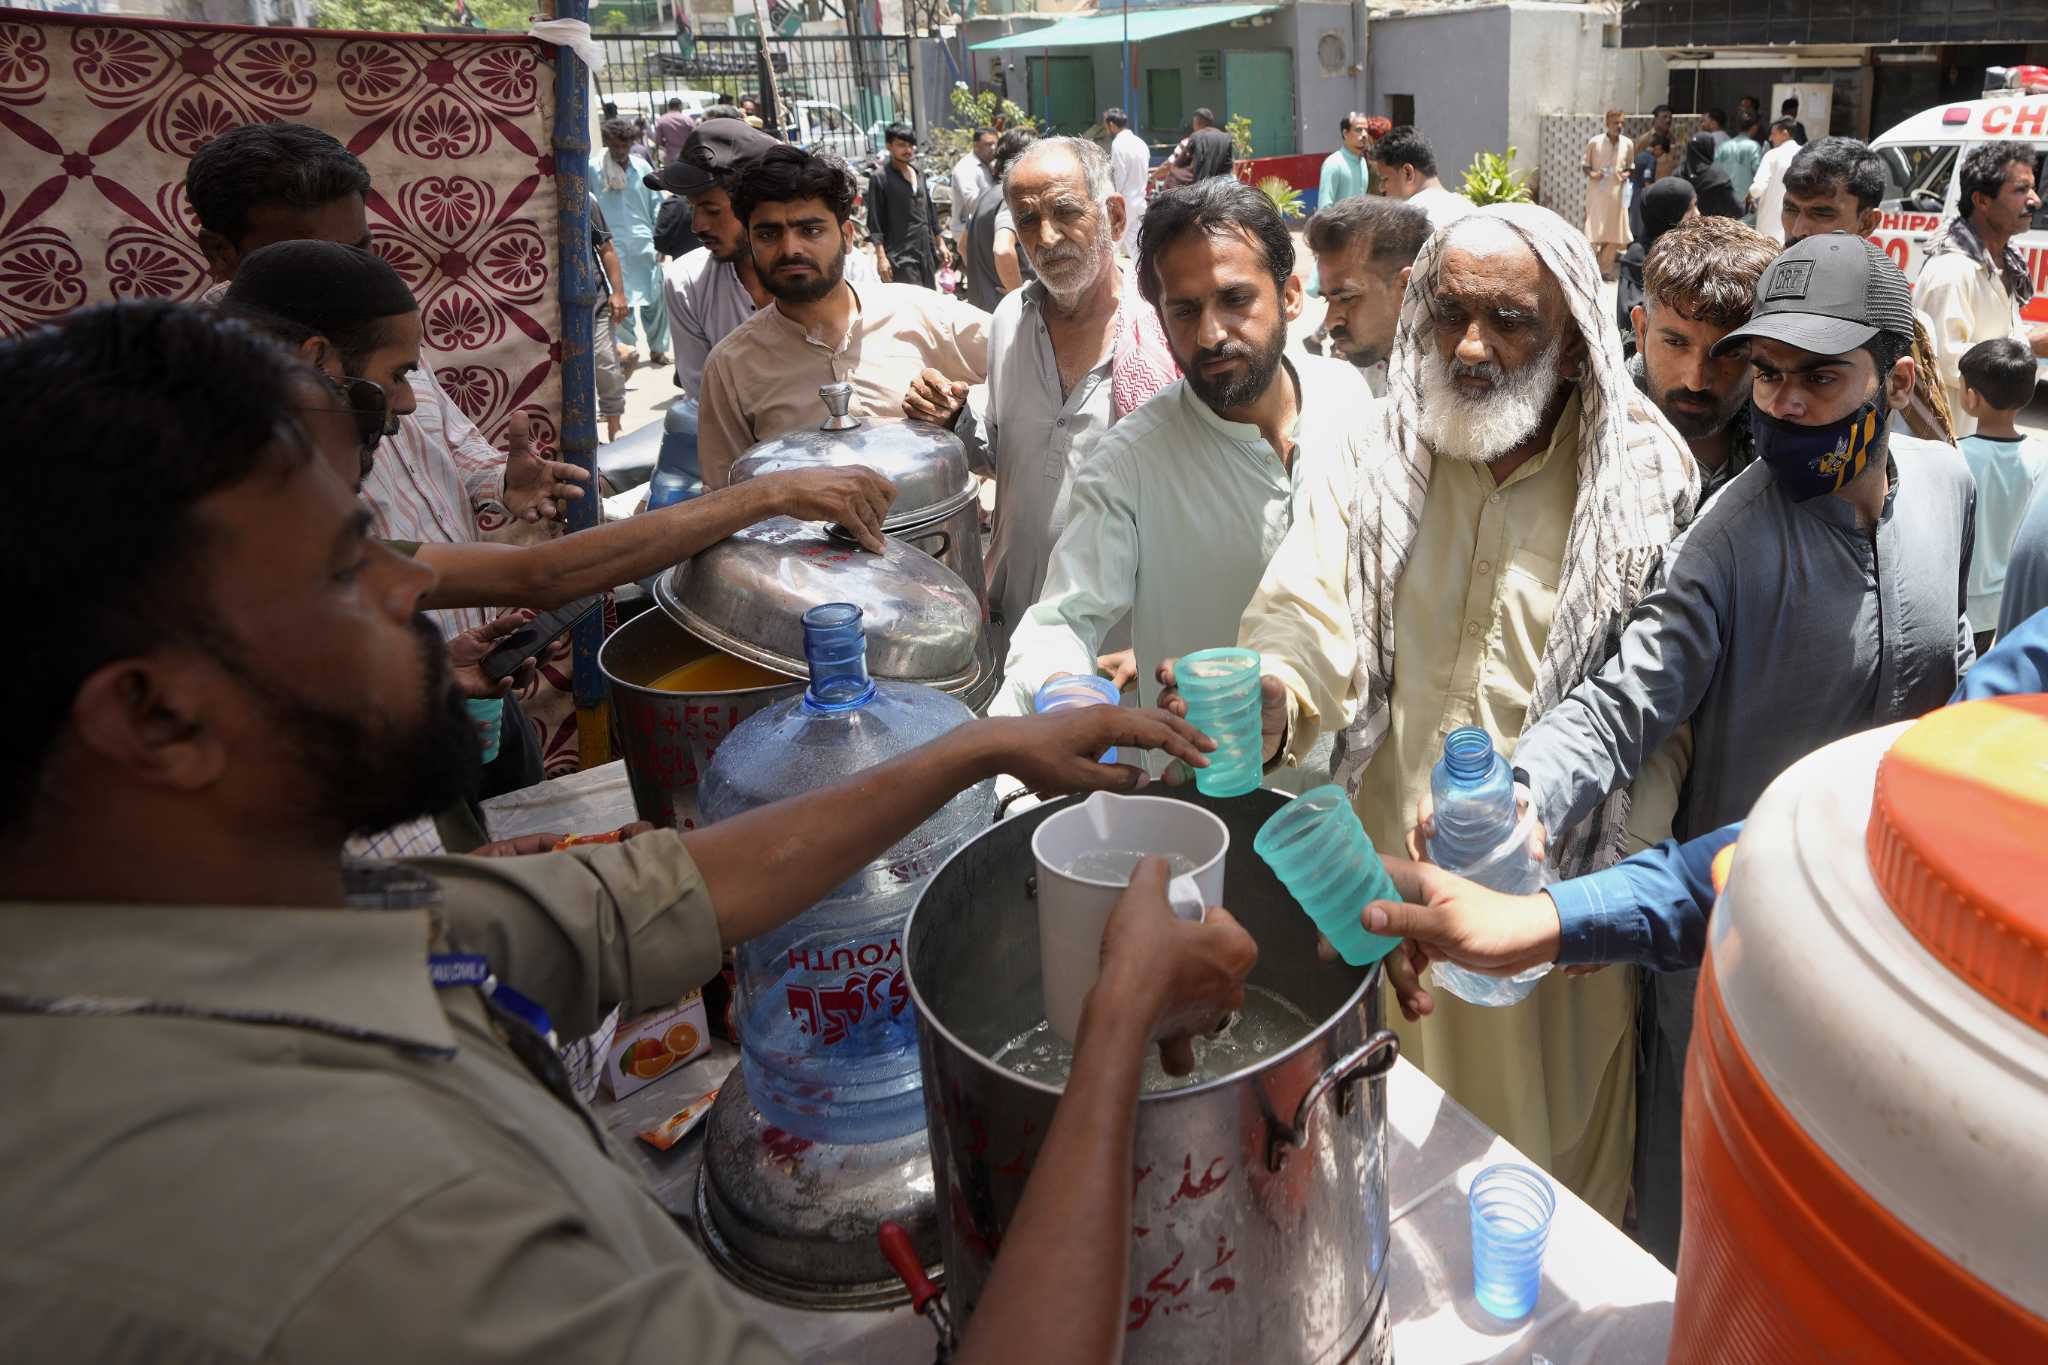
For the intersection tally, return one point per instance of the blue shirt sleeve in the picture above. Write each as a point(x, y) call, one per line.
point(2017, 663)
point(1649, 909)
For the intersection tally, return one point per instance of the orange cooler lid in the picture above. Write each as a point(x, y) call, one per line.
point(1958, 843)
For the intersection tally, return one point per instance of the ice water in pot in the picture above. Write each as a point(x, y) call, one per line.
point(828, 1035)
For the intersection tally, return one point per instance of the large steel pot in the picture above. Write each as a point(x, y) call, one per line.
point(748, 593)
point(937, 507)
point(668, 737)
point(1259, 1223)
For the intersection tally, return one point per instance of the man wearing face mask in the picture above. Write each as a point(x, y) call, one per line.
point(1822, 593)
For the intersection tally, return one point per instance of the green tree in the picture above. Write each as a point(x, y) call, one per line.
point(1240, 130)
point(1493, 179)
point(420, 16)
point(971, 111)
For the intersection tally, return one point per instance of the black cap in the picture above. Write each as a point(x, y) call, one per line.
point(714, 146)
point(1829, 294)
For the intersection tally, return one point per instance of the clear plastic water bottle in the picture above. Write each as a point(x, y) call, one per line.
point(676, 475)
point(1474, 792)
point(828, 1037)
point(1071, 690)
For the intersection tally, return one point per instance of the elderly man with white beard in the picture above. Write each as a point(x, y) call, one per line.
point(1069, 355)
point(1513, 507)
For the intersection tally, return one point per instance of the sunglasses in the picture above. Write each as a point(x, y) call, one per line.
point(363, 399)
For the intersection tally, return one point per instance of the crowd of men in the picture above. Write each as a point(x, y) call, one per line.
point(1480, 510)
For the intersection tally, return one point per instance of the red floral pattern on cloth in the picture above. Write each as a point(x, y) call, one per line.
point(99, 115)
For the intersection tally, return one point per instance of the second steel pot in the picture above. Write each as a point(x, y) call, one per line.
point(1259, 1219)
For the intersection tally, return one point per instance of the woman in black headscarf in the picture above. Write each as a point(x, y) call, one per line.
point(1709, 182)
point(1665, 205)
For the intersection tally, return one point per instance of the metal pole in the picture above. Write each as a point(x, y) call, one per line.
point(772, 112)
point(1126, 105)
point(578, 275)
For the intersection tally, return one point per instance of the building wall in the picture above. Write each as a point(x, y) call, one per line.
point(1483, 79)
point(1726, 23)
point(1325, 91)
point(1562, 65)
point(1181, 52)
point(1455, 67)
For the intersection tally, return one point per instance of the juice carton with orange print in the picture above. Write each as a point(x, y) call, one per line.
point(656, 1043)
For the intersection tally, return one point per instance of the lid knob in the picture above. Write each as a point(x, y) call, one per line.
point(838, 398)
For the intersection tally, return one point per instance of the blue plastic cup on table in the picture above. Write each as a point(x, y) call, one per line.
point(1511, 1211)
point(1221, 689)
point(1322, 854)
point(1066, 693)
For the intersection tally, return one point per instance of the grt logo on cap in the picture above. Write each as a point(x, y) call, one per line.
point(1788, 280)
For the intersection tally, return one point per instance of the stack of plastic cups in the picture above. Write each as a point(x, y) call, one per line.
point(1221, 688)
point(1066, 693)
point(1511, 1211)
point(1320, 852)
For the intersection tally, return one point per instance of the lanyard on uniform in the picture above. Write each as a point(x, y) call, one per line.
point(450, 970)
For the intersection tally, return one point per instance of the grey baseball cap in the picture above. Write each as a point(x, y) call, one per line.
point(1829, 294)
point(714, 146)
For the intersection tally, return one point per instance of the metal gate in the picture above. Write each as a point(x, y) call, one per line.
point(839, 91)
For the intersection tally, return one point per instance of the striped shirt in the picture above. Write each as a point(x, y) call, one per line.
point(429, 480)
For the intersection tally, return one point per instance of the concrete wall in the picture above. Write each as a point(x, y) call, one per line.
point(1323, 96)
point(1455, 65)
point(1179, 52)
point(1562, 66)
point(1484, 78)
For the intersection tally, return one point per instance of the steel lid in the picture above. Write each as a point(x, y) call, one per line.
point(927, 463)
point(748, 593)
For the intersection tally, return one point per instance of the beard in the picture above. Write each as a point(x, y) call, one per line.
point(615, 172)
point(1480, 430)
point(366, 774)
point(1261, 365)
point(1697, 423)
point(1364, 357)
point(804, 288)
point(1068, 272)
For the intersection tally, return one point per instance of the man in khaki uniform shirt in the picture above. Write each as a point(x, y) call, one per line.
point(762, 380)
point(244, 1124)
point(1506, 439)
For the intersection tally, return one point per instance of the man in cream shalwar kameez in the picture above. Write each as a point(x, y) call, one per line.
point(1608, 157)
point(1514, 504)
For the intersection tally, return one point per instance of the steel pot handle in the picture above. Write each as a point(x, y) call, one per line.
point(1371, 1060)
point(945, 539)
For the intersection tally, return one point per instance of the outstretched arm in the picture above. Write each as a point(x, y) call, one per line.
point(1061, 1284)
point(766, 865)
point(561, 570)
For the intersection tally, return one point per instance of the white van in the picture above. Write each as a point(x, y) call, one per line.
point(1924, 156)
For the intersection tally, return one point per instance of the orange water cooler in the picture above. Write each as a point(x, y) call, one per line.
point(1866, 1104)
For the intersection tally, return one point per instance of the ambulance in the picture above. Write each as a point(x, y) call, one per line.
point(1923, 159)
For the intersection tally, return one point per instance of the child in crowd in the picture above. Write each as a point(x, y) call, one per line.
point(1998, 380)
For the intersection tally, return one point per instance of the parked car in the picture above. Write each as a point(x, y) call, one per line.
point(1924, 157)
point(821, 126)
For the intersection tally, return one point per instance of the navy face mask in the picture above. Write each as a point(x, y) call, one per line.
point(1811, 461)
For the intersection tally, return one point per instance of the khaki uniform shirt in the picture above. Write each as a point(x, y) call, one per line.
point(1555, 1074)
point(762, 380)
point(262, 1135)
